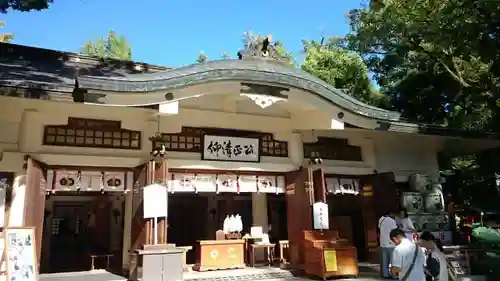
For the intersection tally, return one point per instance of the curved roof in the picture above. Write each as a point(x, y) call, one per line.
point(251, 70)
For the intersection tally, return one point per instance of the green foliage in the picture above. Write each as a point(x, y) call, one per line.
point(113, 47)
point(438, 62)
point(24, 5)
point(341, 68)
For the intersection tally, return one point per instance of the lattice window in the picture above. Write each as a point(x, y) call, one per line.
point(274, 148)
point(92, 133)
point(190, 140)
point(333, 149)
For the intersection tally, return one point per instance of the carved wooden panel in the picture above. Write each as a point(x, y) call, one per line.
point(93, 133)
point(333, 149)
point(190, 140)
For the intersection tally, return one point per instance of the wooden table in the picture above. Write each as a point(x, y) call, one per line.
point(107, 257)
point(220, 254)
point(269, 251)
point(283, 244)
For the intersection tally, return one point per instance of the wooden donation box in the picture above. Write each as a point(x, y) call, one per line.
point(328, 256)
point(220, 254)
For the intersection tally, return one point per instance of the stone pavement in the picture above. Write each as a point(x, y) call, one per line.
point(367, 273)
point(246, 274)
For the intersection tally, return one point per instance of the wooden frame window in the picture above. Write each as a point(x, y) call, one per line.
point(273, 148)
point(190, 140)
point(92, 133)
point(333, 149)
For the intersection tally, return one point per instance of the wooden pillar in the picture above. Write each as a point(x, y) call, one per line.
point(34, 202)
point(140, 229)
point(319, 186)
point(299, 200)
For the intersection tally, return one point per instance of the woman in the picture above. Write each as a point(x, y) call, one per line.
point(436, 266)
point(404, 222)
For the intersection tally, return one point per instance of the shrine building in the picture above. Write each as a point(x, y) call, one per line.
point(251, 136)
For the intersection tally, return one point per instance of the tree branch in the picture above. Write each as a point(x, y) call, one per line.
point(455, 76)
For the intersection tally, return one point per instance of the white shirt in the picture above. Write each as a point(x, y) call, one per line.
point(386, 224)
point(443, 265)
point(406, 224)
point(402, 258)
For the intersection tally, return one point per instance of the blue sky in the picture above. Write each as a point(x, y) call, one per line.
point(172, 33)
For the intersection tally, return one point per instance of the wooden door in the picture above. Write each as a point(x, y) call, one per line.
point(319, 186)
point(71, 238)
point(188, 221)
point(34, 200)
point(385, 196)
point(299, 199)
point(277, 214)
point(379, 196)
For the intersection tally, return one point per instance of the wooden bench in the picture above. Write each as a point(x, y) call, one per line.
point(107, 257)
point(269, 251)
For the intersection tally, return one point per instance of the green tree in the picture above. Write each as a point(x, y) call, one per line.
point(341, 68)
point(6, 37)
point(112, 47)
point(201, 58)
point(438, 62)
point(24, 5)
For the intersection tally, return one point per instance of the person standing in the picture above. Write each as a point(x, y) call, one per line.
point(404, 222)
point(385, 224)
point(436, 265)
point(408, 259)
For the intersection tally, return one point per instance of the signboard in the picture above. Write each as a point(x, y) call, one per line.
point(320, 216)
point(235, 149)
point(155, 201)
point(21, 254)
point(330, 259)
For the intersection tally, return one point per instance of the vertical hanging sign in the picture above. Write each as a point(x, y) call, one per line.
point(320, 216)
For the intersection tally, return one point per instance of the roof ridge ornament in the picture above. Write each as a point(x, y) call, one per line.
point(256, 47)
